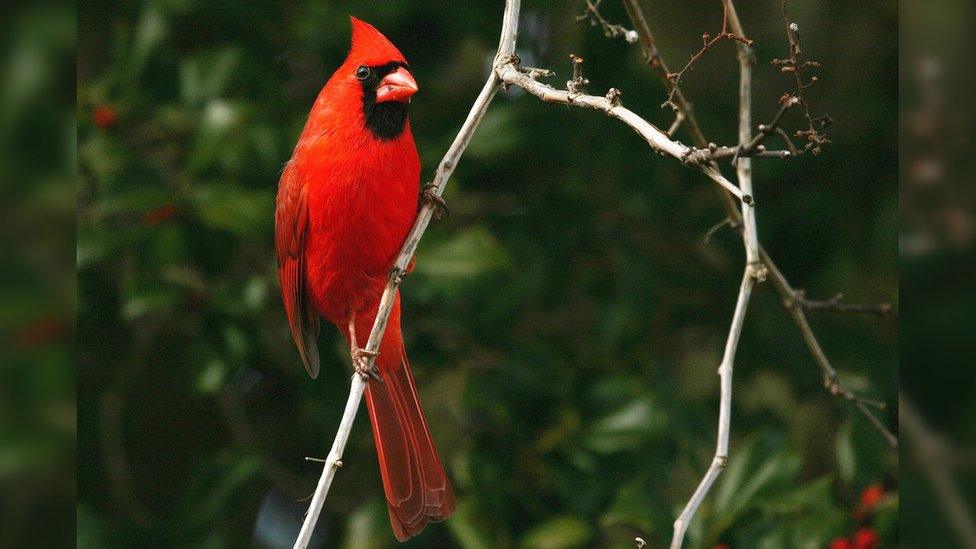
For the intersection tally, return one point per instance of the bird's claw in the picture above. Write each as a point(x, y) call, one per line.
point(437, 201)
point(360, 361)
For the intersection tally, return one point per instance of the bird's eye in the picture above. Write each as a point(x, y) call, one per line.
point(362, 72)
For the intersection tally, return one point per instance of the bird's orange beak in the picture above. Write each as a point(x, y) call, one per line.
point(396, 86)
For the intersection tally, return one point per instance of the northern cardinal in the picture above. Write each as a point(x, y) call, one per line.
point(346, 201)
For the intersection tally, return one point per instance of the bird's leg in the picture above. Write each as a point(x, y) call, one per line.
point(429, 195)
point(360, 356)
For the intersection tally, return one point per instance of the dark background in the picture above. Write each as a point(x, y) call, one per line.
point(564, 323)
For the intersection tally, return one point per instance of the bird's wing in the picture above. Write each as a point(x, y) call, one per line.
point(291, 226)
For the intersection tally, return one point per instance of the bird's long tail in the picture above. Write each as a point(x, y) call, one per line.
point(417, 488)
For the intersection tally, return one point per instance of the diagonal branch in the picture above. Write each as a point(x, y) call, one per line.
point(610, 30)
point(510, 73)
point(654, 60)
point(831, 380)
point(721, 458)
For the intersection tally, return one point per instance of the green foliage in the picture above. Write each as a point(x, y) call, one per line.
point(564, 323)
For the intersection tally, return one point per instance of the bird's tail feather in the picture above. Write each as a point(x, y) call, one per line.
point(416, 485)
point(417, 488)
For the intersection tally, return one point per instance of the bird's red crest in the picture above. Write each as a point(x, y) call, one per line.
point(370, 47)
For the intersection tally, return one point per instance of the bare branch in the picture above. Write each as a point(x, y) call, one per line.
point(511, 74)
point(749, 146)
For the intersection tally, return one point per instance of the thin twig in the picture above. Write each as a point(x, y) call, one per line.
point(708, 42)
point(358, 385)
point(610, 30)
point(837, 305)
point(654, 60)
point(793, 65)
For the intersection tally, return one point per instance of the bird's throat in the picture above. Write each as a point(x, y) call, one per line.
point(387, 120)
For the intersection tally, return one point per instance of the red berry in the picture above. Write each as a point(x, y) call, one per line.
point(871, 495)
point(866, 538)
point(722, 546)
point(104, 116)
point(159, 215)
point(841, 543)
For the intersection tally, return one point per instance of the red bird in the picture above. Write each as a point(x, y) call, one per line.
point(346, 201)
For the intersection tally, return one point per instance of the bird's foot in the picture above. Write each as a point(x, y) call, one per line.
point(430, 196)
point(360, 362)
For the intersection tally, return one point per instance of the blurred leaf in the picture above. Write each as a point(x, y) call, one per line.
point(368, 527)
point(240, 211)
point(149, 302)
point(149, 33)
point(105, 158)
point(558, 533)
point(498, 135)
point(212, 377)
point(471, 252)
point(256, 292)
point(801, 498)
point(235, 342)
point(846, 454)
point(626, 428)
point(94, 245)
point(207, 75)
point(468, 528)
point(886, 516)
point(762, 464)
point(215, 484)
point(89, 532)
point(637, 506)
point(219, 125)
point(860, 453)
point(138, 200)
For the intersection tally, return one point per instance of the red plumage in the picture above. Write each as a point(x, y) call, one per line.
point(346, 201)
